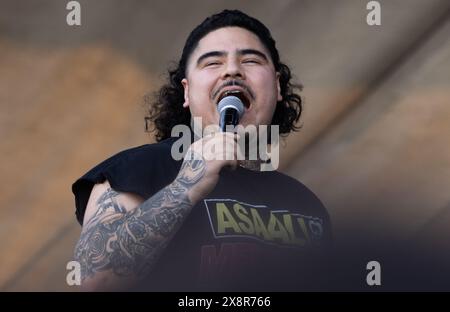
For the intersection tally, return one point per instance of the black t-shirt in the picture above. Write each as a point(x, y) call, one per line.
point(254, 231)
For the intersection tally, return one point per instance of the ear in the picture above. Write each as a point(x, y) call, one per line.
point(279, 96)
point(185, 84)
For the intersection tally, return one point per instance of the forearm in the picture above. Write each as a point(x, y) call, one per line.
point(128, 244)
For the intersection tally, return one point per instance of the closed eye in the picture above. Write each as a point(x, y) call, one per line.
point(212, 63)
point(251, 61)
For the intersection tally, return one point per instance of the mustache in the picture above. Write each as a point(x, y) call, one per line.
point(233, 82)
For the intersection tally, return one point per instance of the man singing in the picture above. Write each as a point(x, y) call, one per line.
point(154, 222)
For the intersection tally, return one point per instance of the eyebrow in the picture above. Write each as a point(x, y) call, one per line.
point(253, 51)
point(210, 54)
point(223, 53)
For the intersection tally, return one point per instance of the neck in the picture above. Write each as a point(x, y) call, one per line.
point(254, 165)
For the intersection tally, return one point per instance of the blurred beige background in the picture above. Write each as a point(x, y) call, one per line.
point(376, 127)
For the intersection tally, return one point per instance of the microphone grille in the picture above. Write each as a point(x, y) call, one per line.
point(231, 102)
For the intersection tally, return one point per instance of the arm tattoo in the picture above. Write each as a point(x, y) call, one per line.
point(107, 203)
point(129, 243)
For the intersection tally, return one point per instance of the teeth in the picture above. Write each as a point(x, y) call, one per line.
point(238, 94)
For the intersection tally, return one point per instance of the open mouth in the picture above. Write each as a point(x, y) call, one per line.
point(237, 93)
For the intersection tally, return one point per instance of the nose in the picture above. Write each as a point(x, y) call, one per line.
point(233, 69)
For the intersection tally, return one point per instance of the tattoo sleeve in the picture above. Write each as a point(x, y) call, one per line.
point(129, 243)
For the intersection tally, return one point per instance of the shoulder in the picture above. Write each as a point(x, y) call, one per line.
point(141, 170)
point(142, 158)
point(291, 188)
point(305, 201)
point(160, 151)
point(292, 185)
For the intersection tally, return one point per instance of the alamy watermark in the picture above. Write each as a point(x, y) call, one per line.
point(374, 276)
point(255, 143)
point(73, 277)
point(373, 18)
point(73, 18)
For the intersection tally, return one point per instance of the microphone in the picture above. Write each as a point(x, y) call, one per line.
point(230, 109)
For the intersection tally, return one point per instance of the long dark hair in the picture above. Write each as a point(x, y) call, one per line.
point(165, 106)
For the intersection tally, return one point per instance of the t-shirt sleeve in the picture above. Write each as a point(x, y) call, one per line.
point(141, 170)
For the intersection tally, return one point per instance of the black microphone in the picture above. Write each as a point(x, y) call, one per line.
point(230, 110)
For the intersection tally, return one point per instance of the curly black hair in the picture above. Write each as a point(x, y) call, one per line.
point(165, 106)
